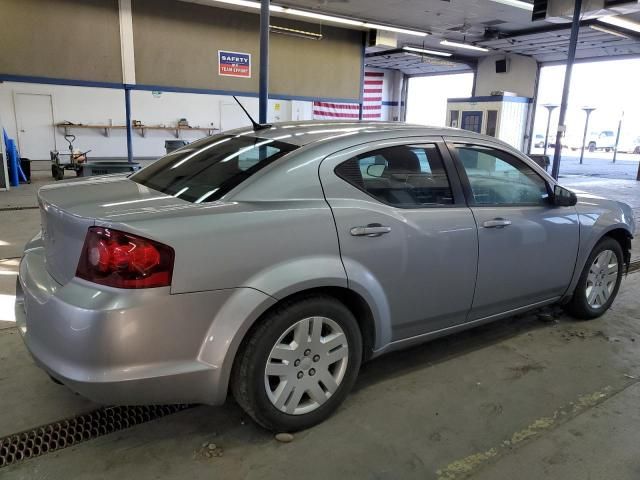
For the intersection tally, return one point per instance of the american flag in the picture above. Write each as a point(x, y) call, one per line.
point(371, 104)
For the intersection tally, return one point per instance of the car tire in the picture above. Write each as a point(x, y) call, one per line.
point(592, 147)
point(598, 284)
point(296, 395)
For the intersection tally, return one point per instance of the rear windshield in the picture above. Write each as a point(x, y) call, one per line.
point(205, 170)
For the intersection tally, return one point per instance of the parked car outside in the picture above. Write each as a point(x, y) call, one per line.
point(551, 141)
point(538, 140)
point(273, 262)
point(604, 140)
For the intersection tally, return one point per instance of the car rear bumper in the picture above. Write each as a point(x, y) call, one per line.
point(130, 347)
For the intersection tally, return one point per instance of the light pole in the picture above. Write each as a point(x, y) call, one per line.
point(588, 111)
point(550, 108)
point(615, 149)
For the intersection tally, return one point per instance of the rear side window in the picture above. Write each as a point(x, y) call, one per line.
point(207, 169)
point(403, 176)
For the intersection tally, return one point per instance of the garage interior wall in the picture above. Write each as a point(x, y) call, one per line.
point(177, 43)
point(176, 46)
point(104, 106)
point(73, 39)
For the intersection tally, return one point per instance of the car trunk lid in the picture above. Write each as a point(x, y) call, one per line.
point(67, 210)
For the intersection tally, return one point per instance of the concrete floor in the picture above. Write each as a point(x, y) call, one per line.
point(517, 399)
point(521, 398)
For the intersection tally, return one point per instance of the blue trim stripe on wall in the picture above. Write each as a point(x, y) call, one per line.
point(59, 81)
point(490, 98)
point(163, 88)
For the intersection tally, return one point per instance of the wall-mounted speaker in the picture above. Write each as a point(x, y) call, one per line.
point(502, 66)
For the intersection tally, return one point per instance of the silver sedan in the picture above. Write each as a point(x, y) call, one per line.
point(272, 262)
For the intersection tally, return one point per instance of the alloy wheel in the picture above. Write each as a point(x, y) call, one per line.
point(602, 278)
point(306, 365)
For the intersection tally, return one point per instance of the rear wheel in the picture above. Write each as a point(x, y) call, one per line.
point(298, 364)
point(599, 282)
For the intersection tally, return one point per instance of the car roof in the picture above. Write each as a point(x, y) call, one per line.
point(306, 132)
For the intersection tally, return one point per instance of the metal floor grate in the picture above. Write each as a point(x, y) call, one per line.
point(65, 433)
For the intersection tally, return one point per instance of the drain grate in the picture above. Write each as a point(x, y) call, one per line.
point(65, 433)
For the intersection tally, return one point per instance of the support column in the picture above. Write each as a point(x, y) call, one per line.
point(573, 41)
point(128, 66)
point(264, 61)
point(127, 113)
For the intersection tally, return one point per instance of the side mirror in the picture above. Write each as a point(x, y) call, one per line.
point(375, 170)
point(563, 197)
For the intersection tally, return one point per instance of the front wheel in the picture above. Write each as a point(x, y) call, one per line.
point(599, 282)
point(298, 364)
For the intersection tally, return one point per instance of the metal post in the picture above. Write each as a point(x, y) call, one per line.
point(127, 113)
point(573, 41)
point(264, 61)
point(550, 109)
point(615, 148)
point(588, 111)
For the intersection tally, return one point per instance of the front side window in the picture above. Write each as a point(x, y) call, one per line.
point(498, 178)
point(205, 170)
point(404, 176)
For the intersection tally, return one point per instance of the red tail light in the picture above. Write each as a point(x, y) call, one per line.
point(122, 260)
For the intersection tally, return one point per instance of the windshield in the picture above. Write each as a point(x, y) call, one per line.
point(207, 169)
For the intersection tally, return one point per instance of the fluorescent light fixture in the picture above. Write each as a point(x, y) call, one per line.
point(322, 16)
point(516, 3)
point(294, 32)
point(388, 28)
point(427, 52)
point(250, 4)
point(609, 31)
point(447, 43)
point(241, 3)
point(621, 22)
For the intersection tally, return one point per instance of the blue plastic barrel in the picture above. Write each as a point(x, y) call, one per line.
point(14, 159)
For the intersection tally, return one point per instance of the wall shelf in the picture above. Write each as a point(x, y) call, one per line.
point(141, 129)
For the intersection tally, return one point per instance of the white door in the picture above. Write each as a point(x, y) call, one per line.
point(34, 118)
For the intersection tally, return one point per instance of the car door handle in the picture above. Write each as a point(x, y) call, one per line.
point(497, 223)
point(371, 230)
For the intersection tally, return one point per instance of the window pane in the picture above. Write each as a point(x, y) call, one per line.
point(404, 176)
point(205, 170)
point(498, 178)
